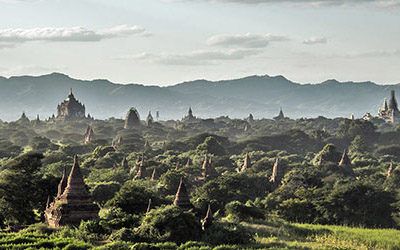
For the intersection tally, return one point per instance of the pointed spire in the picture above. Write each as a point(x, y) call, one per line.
point(390, 170)
point(141, 173)
point(154, 175)
point(188, 162)
point(63, 183)
point(76, 188)
point(89, 135)
point(182, 198)
point(345, 160)
point(124, 163)
point(247, 163)
point(276, 172)
point(148, 206)
point(393, 102)
point(208, 219)
point(385, 105)
point(149, 119)
point(48, 202)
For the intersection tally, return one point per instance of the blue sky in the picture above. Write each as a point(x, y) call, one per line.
point(165, 42)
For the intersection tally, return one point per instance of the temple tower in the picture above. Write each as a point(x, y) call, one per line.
point(74, 204)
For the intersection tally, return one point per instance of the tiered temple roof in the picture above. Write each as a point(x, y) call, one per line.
point(74, 204)
point(70, 109)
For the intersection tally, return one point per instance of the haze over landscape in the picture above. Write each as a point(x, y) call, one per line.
point(262, 96)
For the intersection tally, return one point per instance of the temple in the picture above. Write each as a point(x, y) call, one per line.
point(207, 170)
point(89, 135)
point(182, 198)
point(149, 119)
point(280, 116)
point(132, 119)
point(246, 164)
point(189, 116)
point(389, 111)
point(208, 219)
point(277, 173)
point(70, 109)
point(345, 160)
point(73, 203)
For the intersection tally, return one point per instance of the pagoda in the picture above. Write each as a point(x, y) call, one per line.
point(182, 198)
point(132, 119)
point(70, 109)
point(73, 203)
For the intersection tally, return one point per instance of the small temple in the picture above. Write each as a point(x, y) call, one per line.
point(70, 109)
point(208, 219)
point(207, 169)
point(182, 198)
point(389, 111)
point(149, 119)
point(280, 116)
point(345, 160)
point(189, 116)
point(89, 135)
point(277, 173)
point(132, 119)
point(246, 163)
point(73, 202)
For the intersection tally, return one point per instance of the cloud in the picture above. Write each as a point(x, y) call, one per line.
point(315, 40)
point(200, 57)
point(244, 40)
point(379, 3)
point(66, 34)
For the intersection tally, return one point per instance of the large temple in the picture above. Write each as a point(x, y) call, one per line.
point(390, 110)
point(73, 202)
point(70, 109)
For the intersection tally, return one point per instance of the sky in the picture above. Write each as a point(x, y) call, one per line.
point(163, 42)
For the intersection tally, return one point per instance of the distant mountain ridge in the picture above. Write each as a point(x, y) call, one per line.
point(260, 95)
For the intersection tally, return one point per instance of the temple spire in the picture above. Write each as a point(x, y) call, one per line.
point(154, 175)
point(246, 164)
point(148, 206)
point(208, 219)
point(182, 198)
point(63, 183)
point(277, 174)
point(345, 160)
point(390, 170)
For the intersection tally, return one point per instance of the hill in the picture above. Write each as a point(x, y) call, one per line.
point(260, 95)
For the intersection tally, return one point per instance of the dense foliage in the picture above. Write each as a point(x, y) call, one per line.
point(293, 174)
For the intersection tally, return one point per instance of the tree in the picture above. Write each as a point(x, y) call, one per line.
point(211, 146)
point(133, 197)
point(359, 204)
point(170, 223)
point(20, 191)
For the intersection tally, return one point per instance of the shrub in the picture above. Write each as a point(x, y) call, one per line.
point(169, 223)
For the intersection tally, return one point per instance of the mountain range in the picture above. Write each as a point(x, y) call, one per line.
point(262, 96)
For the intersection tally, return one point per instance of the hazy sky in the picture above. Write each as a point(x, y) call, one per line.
point(164, 42)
